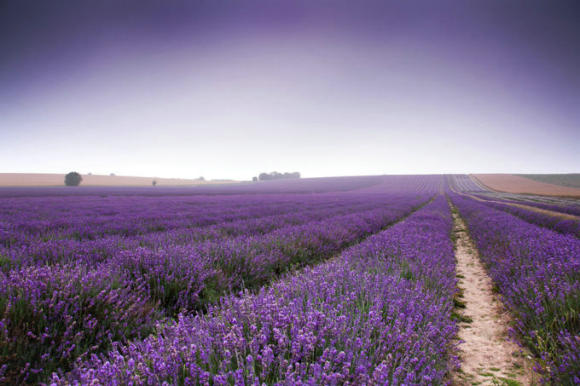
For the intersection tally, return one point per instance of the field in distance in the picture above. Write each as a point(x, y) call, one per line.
point(546, 184)
point(42, 179)
point(572, 179)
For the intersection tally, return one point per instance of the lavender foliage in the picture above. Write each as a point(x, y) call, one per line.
point(82, 275)
point(380, 313)
point(555, 222)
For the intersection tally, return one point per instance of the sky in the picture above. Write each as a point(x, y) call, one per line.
point(232, 88)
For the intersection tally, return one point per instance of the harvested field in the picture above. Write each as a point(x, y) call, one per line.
point(40, 179)
point(571, 180)
point(521, 185)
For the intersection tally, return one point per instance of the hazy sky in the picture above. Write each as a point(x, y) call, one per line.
point(228, 89)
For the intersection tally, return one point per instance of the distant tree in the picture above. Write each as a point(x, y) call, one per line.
point(201, 178)
point(73, 179)
point(154, 182)
point(112, 174)
point(90, 174)
point(255, 179)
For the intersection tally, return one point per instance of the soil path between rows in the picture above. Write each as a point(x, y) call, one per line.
point(486, 354)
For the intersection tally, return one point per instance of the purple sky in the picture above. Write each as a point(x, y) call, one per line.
point(228, 89)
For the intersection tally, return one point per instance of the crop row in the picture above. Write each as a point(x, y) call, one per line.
point(95, 251)
point(379, 313)
point(537, 272)
point(566, 209)
point(565, 206)
point(464, 184)
point(29, 221)
point(302, 185)
point(89, 216)
point(53, 314)
point(551, 221)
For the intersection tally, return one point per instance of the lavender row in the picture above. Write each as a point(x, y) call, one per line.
point(75, 310)
point(565, 207)
point(380, 313)
point(25, 219)
point(463, 183)
point(302, 185)
point(557, 223)
point(49, 316)
point(95, 251)
point(569, 209)
point(250, 261)
point(537, 271)
point(28, 221)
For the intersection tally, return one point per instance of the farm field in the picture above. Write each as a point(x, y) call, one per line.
point(39, 179)
point(315, 281)
point(520, 184)
point(571, 180)
point(556, 213)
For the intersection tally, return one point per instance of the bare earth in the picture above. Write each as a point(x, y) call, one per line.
point(517, 184)
point(487, 356)
point(38, 179)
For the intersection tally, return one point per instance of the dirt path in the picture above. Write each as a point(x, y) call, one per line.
point(487, 356)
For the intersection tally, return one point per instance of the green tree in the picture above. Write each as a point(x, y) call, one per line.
point(73, 179)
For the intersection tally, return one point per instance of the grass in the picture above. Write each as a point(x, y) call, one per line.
point(570, 180)
point(458, 303)
point(460, 318)
point(509, 382)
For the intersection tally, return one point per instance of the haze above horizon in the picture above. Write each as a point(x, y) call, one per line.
point(228, 90)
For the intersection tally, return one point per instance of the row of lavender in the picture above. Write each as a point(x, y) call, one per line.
point(216, 224)
point(568, 206)
point(33, 220)
point(537, 271)
point(380, 313)
point(42, 225)
point(55, 311)
point(284, 186)
point(29, 220)
point(563, 219)
point(569, 225)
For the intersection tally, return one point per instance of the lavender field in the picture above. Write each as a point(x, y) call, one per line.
point(311, 281)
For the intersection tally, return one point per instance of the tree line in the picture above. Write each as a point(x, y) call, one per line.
point(276, 176)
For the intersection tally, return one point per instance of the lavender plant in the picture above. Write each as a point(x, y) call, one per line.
point(380, 313)
point(79, 280)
